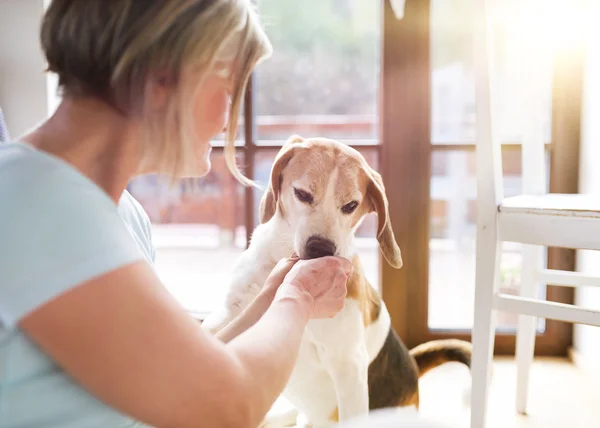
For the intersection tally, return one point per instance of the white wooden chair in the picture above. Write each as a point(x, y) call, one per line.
point(536, 219)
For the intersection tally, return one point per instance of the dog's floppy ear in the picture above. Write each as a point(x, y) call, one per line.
point(385, 234)
point(268, 203)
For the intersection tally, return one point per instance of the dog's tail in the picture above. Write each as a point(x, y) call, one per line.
point(432, 354)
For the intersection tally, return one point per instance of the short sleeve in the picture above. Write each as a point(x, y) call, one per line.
point(136, 218)
point(57, 230)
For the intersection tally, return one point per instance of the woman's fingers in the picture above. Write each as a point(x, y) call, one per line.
point(324, 279)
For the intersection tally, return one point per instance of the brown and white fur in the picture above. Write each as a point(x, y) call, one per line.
point(353, 362)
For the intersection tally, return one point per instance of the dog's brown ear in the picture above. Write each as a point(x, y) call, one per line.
point(268, 203)
point(385, 234)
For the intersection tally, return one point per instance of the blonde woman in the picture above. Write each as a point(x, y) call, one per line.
point(88, 335)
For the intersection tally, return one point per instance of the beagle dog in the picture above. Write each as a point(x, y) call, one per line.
point(319, 192)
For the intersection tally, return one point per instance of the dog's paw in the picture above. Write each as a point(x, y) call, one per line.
point(391, 418)
point(302, 421)
point(281, 415)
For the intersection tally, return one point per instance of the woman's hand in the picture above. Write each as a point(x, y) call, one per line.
point(321, 283)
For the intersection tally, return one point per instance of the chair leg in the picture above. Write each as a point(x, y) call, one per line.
point(526, 329)
point(484, 327)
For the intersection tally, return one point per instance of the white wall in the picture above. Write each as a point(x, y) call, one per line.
point(23, 83)
point(587, 339)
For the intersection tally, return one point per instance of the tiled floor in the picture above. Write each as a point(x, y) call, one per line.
point(561, 396)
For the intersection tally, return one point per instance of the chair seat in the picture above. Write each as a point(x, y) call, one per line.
point(553, 204)
point(553, 220)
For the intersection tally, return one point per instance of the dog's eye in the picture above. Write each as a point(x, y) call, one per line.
point(303, 196)
point(349, 207)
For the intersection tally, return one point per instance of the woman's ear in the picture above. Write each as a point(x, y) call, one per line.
point(268, 203)
point(159, 88)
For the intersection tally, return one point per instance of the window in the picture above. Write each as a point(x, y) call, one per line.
point(323, 77)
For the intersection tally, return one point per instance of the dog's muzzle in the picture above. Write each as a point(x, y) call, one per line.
point(317, 246)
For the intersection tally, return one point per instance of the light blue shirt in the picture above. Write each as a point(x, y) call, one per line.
point(57, 230)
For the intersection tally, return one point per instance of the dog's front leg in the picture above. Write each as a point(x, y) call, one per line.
point(238, 299)
point(350, 379)
point(343, 353)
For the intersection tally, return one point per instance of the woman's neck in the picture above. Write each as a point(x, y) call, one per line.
point(97, 140)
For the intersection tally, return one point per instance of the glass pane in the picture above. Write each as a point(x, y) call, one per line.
point(453, 187)
point(198, 231)
point(366, 243)
point(452, 79)
point(452, 240)
point(323, 77)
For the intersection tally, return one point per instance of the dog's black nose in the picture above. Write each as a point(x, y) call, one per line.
point(317, 246)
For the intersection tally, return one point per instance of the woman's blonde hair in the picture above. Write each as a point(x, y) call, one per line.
point(113, 49)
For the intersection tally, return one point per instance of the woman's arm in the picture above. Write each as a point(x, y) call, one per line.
point(126, 340)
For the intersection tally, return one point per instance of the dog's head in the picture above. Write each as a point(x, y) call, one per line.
point(323, 189)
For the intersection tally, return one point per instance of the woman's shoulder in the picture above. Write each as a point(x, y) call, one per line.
point(57, 230)
point(32, 176)
point(45, 194)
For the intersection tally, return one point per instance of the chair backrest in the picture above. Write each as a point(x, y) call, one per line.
point(488, 157)
point(533, 66)
point(489, 161)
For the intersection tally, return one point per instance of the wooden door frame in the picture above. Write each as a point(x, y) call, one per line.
point(405, 164)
